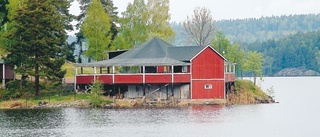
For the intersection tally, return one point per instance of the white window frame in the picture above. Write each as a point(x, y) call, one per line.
point(184, 69)
point(207, 86)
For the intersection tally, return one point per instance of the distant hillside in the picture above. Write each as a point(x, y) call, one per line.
point(250, 30)
point(300, 50)
point(262, 29)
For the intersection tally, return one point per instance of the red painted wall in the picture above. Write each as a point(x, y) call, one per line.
point(207, 68)
point(199, 92)
point(160, 69)
point(207, 65)
point(158, 78)
point(84, 79)
point(107, 79)
point(126, 79)
point(181, 78)
point(230, 77)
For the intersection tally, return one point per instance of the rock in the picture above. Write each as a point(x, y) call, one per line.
point(296, 72)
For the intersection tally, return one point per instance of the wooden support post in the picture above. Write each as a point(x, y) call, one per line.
point(144, 89)
point(172, 89)
point(75, 79)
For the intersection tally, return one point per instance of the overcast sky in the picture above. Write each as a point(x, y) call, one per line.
point(231, 9)
point(236, 9)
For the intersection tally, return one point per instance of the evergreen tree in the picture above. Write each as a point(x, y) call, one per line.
point(3, 12)
point(36, 40)
point(96, 28)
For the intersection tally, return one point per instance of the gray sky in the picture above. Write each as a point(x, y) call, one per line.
point(236, 9)
point(230, 9)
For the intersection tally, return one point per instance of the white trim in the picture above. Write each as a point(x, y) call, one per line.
point(208, 79)
point(172, 72)
point(191, 80)
point(3, 75)
point(207, 86)
point(75, 79)
point(95, 73)
point(143, 74)
point(224, 83)
point(112, 74)
point(205, 49)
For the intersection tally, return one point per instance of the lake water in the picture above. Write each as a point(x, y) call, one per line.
point(297, 115)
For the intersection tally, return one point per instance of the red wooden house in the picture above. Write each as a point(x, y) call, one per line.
point(6, 73)
point(157, 69)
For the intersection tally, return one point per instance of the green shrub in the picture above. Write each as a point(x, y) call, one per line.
point(96, 91)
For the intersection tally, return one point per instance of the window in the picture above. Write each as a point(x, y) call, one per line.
point(184, 69)
point(208, 86)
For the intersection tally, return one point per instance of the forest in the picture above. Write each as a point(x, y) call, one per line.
point(33, 40)
point(291, 41)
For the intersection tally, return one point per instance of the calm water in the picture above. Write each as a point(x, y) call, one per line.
point(297, 115)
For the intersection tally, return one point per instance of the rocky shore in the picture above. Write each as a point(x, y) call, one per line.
point(291, 72)
point(244, 93)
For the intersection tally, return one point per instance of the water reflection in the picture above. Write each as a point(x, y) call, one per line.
point(31, 122)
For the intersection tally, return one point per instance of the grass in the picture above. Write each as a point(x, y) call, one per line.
point(52, 100)
point(246, 93)
point(70, 70)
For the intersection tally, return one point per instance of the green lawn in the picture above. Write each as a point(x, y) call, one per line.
point(70, 70)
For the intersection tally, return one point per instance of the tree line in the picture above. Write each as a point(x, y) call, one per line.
point(33, 34)
point(300, 50)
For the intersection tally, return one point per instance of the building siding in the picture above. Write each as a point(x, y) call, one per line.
point(207, 68)
point(9, 73)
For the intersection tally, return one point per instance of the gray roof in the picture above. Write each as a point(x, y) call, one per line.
point(154, 48)
point(135, 62)
point(152, 53)
point(184, 53)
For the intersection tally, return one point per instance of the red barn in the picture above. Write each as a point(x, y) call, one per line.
point(157, 69)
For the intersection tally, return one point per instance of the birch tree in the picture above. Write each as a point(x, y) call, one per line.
point(253, 64)
point(200, 28)
point(142, 21)
point(96, 29)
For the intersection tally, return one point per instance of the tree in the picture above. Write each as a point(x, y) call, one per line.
point(158, 20)
point(36, 40)
point(231, 52)
point(134, 23)
point(3, 12)
point(142, 21)
point(110, 9)
point(253, 64)
point(200, 27)
point(236, 55)
point(96, 28)
point(220, 43)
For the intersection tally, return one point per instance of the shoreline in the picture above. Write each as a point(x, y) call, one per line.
point(133, 104)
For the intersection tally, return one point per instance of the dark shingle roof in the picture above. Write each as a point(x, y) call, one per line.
point(185, 53)
point(152, 53)
point(154, 48)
